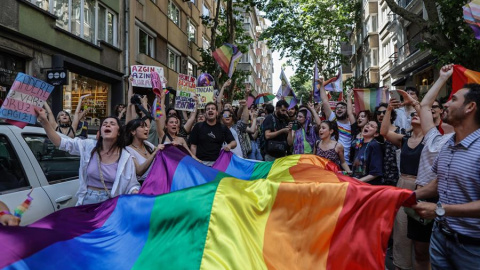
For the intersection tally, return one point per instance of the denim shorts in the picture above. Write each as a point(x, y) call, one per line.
point(95, 196)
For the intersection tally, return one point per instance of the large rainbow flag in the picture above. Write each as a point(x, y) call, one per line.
point(227, 56)
point(367, 98)
point(462, 76)
point(298, 214)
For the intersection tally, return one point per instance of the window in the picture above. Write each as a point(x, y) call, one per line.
point(192, 32)
point(80, 18)
point(174, 59)
point(206, 43)
point(146, 43)
point(374, 20)
point(375, 57)
point(106, 25)
point(57, 165)
point(192, 68)
point(11, 170)
point(205, 11)
point(173, 13)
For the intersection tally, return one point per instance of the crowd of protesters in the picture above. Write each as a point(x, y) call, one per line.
point(426, 146)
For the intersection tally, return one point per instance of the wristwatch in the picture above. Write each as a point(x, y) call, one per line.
point(440, 211)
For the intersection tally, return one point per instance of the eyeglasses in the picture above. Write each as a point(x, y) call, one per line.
point(435, 107)
point(380, 112)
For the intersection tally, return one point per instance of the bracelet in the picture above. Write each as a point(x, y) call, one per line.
point(5, 213)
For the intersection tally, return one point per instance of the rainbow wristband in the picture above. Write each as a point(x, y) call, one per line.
point(5, 213)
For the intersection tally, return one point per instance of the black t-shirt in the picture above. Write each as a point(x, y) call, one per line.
point(272, 123)
point(209, 140)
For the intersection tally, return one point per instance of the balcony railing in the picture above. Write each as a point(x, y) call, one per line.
point(407, 49)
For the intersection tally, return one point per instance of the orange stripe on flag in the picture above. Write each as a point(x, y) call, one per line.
point(462, 76)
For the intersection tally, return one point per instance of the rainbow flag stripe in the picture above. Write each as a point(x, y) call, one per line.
point(462, 76)
point(227, 57)
point(367, 99)
point(300, 216)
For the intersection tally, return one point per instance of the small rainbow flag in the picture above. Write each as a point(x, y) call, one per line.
point(367, 98)
point(227, 56)
point(462, 76)
point(298, 214)
point(471, 15)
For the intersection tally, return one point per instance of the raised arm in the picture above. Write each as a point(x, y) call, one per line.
point(350, 113)
point(325, 100)
point(316, 117)
point(51, 133)
point(252, 129)
point(50, 117)
point(130, 107)
point(191, 119)
point(385, 129)
point(161, 121)
point(78, 114)
point(220, 95)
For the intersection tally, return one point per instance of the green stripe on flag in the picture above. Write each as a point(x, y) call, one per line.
point(261, 170)
point(178, 228)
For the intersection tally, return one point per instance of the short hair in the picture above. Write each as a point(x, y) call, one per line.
point(473, 95)
point(393, 114)
point(269, 109)
point(341, 103)
point(281, 103)
point(211, 103)
point(413, 89)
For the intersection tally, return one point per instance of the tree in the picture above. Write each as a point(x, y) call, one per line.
point(226, 28)
point(309, 30)
point(448, 37)
point(302, 85)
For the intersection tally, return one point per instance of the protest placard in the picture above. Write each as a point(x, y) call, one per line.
point(141, 75)
point(185, 93)
point(205, 95)
point(26, 93)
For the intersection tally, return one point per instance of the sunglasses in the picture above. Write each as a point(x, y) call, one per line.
point(413, 114)
point(380, 112)
point(227, 116)
point(435, 107)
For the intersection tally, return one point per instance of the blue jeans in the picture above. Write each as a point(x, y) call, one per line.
point(449, 254)
point(95, 196)
point(255, 154)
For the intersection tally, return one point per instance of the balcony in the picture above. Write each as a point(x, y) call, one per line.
point(407, 49)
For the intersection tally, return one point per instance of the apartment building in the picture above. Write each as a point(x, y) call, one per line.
point(258, 60)
point(365, 45)
point(79, 37)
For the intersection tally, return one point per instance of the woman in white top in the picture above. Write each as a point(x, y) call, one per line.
point(142, 151)
point(106, 169)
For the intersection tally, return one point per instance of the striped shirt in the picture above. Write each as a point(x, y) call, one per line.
point(433, 143)
point(458, 172)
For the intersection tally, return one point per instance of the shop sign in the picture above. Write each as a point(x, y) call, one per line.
point(57, 77)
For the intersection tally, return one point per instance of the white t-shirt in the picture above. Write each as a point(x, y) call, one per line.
point(345, 138)
point(140, 159)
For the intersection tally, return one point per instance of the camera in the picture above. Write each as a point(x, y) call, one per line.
point(136, 99)
point(295, 125)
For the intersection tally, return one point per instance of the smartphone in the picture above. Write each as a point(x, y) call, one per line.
point(394, 94)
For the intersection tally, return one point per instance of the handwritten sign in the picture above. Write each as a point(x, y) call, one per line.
point(185, 93)
point(26, 93)
point(142, 75)
point(205, 95)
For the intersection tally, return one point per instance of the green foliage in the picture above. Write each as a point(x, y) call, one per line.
point(302, 85)
point(309, 30)
point(224, 34)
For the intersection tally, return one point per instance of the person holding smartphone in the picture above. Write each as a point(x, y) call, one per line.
point(303, 134)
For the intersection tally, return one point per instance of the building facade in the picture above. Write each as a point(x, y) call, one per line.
point(81, 37)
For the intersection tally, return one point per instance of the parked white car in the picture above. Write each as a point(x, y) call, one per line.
point(28, 160)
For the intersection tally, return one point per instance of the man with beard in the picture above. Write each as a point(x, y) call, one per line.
point(276, 132)
point(207, 137)
point(341, 117)
point(455, 241)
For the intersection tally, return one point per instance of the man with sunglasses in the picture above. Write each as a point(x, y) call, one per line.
point(207, 137)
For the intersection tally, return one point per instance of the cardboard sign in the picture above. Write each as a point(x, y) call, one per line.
point(205, 95)
point(185, 93)
point(26, 93)
point(142, 75)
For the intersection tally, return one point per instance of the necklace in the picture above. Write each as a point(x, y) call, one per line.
point(139, 150)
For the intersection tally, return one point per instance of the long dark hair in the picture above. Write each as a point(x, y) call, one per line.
point(120, 143)
point(132, 126)
point(333, 126)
